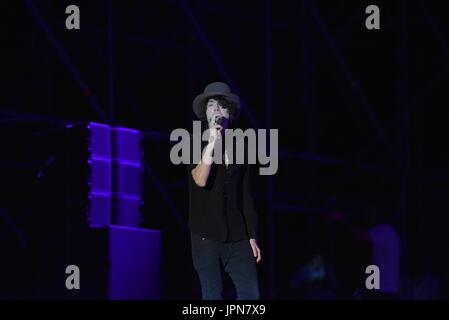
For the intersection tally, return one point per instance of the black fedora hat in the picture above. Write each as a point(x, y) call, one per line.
point(211, 90)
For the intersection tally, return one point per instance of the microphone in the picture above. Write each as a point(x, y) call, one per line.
point(218, 120)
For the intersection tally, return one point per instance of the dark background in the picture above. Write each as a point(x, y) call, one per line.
point(361, 116)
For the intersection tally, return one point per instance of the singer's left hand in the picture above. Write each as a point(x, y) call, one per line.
point(256, 250)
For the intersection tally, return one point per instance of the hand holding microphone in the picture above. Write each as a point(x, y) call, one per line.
point(215, 128)
point(217, 120)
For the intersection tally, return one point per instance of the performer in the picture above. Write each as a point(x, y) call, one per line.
point(222, 218)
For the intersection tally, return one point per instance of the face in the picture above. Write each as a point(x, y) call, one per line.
point(213, 109)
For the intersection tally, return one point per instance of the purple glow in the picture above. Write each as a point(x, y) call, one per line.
point(135, 263)
point(96, 124)
point(126, 196)
point(157, 232)
point(99, 158)
point(130, 163)
point(100, 193)
point(126, 130)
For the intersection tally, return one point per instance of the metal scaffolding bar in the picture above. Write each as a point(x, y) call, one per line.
point(404, 147)
point(110, 62)
point(310, 4)
point(269, 113)
point(66, 59)
point(246, 109)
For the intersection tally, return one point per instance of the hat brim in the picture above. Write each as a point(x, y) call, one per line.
point(199, 103)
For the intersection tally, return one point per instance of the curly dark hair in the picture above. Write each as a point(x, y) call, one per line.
point(225, 103)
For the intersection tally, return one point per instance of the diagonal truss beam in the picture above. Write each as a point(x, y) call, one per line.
point(310, 5)
point(65, 59)
point(216, 59)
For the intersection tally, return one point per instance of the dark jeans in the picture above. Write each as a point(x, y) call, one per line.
point(237, 260)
